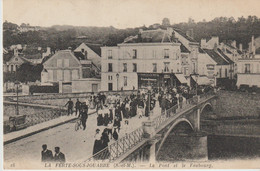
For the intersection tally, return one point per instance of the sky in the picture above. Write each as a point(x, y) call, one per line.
point(122, 13)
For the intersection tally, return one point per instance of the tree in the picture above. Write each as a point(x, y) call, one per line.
point(166, 22)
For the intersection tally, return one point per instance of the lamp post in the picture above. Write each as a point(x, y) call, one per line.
point(117, 76)
point(17, 109)
point(149, 101)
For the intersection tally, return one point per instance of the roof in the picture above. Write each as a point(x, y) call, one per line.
point(79, 55)
point(96, 48)
point(150, 36)
point(33, 56)
point(216, 57)
point(225, 56)
point(201, 50)
point(184, 35)
point(184, 49)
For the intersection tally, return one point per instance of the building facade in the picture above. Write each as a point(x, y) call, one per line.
point(65, 68)
point(154, 58)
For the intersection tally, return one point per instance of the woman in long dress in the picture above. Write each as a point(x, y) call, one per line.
point(97, 144)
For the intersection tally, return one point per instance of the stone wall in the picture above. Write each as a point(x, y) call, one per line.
point(238, 104)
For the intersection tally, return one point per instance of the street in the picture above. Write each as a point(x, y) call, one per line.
point(76, 145)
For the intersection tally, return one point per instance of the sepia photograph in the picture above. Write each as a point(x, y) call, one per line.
point(130, 84)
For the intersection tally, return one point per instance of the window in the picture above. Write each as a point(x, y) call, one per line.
point(16, 59)
point(154, 53)
point(110, 67)
point(194, 68)
point(134, 53)
point(59, 75)
point(59, 62)
point(110, 86)
point(124, 67)
point(75, 74)
point(125, 80)
point(247, 68)
point(110, 77)
point(210, 67)
point(12, 68)
point(82, 50)
point(134, 67)
point(50, 75)
point(109, 54)
point(66, 62)
point(226, 72)
point(154, 67)
point(166, 53)
point(166, 66)
point(220, 74)
point(67, 75)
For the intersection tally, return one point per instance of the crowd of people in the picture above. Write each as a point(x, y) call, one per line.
point(114, 110)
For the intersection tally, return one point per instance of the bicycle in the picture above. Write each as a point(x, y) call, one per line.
point(78, 125)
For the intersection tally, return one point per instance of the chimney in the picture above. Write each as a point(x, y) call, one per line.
point(234, 43)
point(141, 30)
point(15, 52)
point(241, 47)
point(48, 52)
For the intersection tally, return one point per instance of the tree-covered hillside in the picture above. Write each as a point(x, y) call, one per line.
point(62, 37)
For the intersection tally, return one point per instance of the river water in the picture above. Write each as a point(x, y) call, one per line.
point(187, 147)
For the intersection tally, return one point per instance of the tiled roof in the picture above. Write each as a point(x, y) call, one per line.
point(216, 57)
point(185, 36)
point(225, 56)
point(150, 36)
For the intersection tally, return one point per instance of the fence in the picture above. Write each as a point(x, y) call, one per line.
point(50, 114)
point(119, 147)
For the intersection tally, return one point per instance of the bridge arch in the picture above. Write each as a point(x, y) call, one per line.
point(207, 106)
point(184, 120)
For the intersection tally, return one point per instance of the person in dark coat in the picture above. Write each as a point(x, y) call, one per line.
point(84, 115)
point(77, 107)
point(58, 156)
point(46, 154)
point(115, 134)
point(100, 118)
point(70, 106)
point(117, 123)
point(118, 112)
point(106, 118)
point(111, 113)
point(105, 140)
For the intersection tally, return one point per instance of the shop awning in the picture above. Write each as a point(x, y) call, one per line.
point(202, 80)
point(181, 78)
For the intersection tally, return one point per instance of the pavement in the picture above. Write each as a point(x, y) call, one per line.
point(16, 135)
point(76, 145)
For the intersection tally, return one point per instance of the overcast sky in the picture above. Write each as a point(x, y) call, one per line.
point(122, 13)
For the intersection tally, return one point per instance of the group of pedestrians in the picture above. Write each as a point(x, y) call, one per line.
point(47, 155)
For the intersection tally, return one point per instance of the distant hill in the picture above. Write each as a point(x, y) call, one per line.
point(64, 36)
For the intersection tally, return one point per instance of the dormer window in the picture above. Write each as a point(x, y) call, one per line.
point(82, 50)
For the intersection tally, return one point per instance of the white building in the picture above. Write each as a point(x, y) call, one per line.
point(249, 71)
point(73, 74)
point(153, 57)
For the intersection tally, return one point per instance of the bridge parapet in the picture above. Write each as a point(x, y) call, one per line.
point(147, 131)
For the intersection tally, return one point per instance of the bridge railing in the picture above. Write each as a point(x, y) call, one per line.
point(118, 148)
point(160, 120)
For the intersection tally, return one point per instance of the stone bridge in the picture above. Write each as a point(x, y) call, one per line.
point(145, 143)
